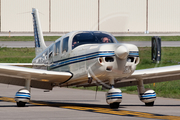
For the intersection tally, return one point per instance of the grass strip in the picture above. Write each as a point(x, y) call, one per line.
point(119, 38)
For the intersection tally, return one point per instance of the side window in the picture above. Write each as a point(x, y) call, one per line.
point(65, 44)
point(57, 48)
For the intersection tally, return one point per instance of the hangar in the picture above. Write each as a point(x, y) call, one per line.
point(115, 16)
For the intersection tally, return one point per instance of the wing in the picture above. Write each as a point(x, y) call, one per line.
point(39, 78)
point(18, 64)
point(152, 75)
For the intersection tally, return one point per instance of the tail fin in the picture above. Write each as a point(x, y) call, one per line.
point(38, 35)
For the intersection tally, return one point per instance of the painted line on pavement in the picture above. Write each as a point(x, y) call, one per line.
point(96, 109)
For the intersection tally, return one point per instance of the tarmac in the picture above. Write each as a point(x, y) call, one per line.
point(76, 104)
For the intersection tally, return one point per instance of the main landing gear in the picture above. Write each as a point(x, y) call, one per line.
point(23, 95)
point(146, 96)
point(114, 95)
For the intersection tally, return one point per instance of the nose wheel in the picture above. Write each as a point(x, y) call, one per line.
point(114, 97)
point(150, 104)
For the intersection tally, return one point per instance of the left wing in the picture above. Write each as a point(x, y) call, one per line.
point(39, 78)
point(151, 75)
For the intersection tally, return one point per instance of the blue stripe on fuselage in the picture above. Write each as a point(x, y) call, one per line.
point(85, 57)
point(134, 53)
point(81, 58)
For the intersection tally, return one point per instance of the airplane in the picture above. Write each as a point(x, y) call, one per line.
point(84, 58)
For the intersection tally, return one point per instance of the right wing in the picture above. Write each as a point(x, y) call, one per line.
point(42, 79)
point(151, 75)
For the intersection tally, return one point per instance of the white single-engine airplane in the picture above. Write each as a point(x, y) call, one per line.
point(84, 58)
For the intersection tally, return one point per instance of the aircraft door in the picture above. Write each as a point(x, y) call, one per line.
point(57, 54)
point(82, 64)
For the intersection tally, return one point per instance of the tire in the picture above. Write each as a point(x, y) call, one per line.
point(21, 104)
point(114, 105)
point(150, 104)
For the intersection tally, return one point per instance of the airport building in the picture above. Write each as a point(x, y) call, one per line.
point(115, 16)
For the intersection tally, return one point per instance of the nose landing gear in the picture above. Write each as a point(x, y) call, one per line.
point(114, 98)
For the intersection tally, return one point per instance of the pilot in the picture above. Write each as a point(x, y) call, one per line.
point(105, 40)
point(74, 43)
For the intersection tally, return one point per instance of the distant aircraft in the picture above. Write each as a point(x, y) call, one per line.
point(84, 58)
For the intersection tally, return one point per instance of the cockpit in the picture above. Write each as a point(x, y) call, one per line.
point(91, 38)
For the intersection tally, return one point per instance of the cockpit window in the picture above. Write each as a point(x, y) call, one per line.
point(57, 48)
point(91, 38)
point(104, 38)
point(65, 44)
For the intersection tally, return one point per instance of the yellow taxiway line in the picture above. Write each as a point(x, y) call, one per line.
point(99, 110)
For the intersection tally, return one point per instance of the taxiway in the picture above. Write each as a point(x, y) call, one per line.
point(68, 104)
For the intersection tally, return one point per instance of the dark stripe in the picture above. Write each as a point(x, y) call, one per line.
point(83, 55)
point(147, 98)
point(86, 57)
point(68, 79)
point(71, 63)
point(22, 98)
point(22, 93)
point(114, 93)
point(36, 37)
point(147, 93)
point(133, 55)
point(114, 98)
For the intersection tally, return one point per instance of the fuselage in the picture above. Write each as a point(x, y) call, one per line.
point(85, 54)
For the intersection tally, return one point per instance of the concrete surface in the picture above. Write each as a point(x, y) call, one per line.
point(75, 104)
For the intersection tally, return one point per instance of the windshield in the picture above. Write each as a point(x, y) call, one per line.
point(91, 38)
